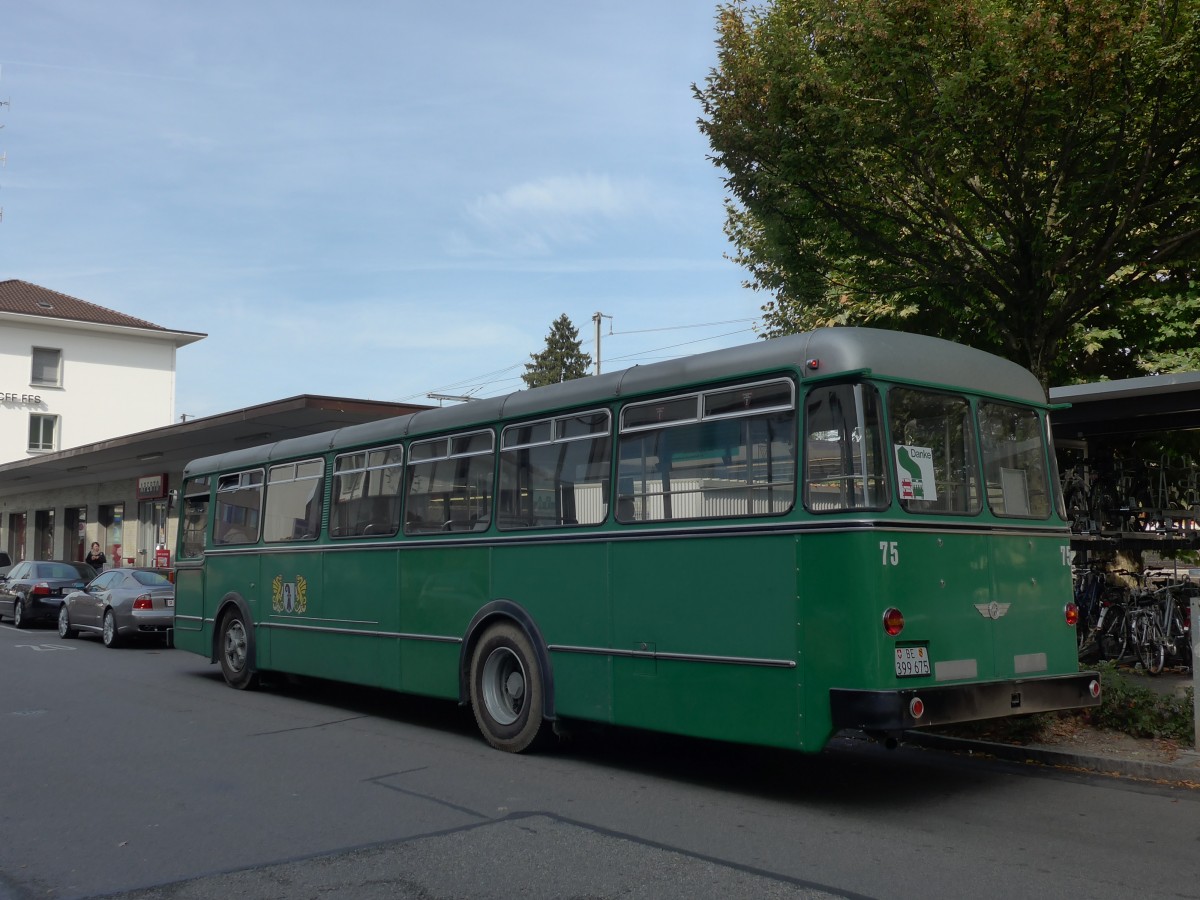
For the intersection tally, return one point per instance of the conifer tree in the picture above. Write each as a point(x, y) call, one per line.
point(562, 360)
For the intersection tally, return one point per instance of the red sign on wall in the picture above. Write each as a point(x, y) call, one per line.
point(152, 487)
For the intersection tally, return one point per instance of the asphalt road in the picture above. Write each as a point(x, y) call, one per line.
point(136, 772)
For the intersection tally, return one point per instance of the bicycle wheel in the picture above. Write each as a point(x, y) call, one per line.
point(1151, 649)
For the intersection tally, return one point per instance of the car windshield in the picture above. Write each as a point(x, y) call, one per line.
point(152, 579)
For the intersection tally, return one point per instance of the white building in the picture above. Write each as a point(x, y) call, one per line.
point(90, 449)
point(74, 373)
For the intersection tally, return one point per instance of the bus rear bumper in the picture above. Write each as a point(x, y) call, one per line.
point(915, 707)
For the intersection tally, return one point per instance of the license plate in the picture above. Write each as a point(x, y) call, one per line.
point(911, 662)
point(170, 602)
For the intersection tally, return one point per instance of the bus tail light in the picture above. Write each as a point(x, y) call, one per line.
point(893, 621)
point(143, 602)
point(1071, 614)
point(916, 708)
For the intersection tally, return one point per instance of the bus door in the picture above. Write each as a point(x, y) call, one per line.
point(189, 568)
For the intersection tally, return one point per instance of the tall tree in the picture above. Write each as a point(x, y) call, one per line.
point(562, 360)
point(1020, 175)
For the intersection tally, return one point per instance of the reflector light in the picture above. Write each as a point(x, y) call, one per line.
point(916, 708)
point(893, 621)
point(1071, 613)
point(143, 602)
point(813, 364)
point(1094, 688)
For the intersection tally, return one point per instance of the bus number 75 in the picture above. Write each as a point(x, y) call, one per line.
point(891, 552)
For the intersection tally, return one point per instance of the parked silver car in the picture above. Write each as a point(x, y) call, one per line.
point(121, 603)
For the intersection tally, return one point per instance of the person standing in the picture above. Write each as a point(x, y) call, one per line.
point(95, 557)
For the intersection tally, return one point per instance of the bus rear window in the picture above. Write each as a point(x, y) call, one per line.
point(933, 443)
point(1014, 461)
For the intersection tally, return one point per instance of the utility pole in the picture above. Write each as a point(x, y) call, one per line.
point(596, 317)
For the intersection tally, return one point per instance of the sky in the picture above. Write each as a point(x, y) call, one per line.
point(377, 200)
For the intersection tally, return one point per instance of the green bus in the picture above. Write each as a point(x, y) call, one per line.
point(844, 529)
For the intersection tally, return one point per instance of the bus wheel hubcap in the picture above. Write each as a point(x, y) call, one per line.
point(503, 686)
point(235, 646)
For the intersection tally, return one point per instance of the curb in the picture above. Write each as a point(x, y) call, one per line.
point(1186, 770)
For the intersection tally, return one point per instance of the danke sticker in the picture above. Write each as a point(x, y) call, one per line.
point(914, 467)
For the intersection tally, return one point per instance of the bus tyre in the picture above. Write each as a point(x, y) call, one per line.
point(506, 689)
point(235, 649)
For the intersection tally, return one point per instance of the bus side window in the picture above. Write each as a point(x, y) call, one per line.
point(555, 472)
point(194, 518)
point(450, 484)
point(844, 466)
point(728, 452)
point(239, 508)
point(295, 494)
point(366, 493)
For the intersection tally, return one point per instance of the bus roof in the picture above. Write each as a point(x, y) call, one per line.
point(885, 354)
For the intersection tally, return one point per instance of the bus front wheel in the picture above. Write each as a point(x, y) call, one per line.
point(235, 650)
point(506, 689)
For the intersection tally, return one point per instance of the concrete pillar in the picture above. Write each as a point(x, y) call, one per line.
point(1195, 680)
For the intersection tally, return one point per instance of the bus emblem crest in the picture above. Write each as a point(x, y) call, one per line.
point(289, 596)
point(992, 610)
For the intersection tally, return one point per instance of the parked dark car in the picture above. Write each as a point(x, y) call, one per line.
point(34, 589)
point(121, 603)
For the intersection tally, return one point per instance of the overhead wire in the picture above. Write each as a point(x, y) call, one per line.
point(487, 380)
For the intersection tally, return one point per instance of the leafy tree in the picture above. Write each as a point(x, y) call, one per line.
point(562, 359)
point(1019, 175)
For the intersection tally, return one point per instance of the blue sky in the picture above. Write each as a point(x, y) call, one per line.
point(370, 199)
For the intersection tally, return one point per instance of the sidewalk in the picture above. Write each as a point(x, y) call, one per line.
point(1183, 770)
point(1093, 750)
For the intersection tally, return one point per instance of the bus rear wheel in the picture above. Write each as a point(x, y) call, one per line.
point(235, 650)
point(506, 689)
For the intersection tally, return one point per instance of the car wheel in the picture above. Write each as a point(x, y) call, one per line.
point(109, 634)
point(236, 652)
point(19, 619)
point(506, 689)
point(64, 624)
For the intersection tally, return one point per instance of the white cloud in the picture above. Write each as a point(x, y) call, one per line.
point(535, 217)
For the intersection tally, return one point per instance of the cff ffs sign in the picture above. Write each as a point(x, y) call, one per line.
point(27, 399)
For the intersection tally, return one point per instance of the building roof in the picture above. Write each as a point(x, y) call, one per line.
point(169, 448)
point(1125, 409)
point(25, 299)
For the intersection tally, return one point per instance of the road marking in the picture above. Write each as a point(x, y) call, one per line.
point(42, 647)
